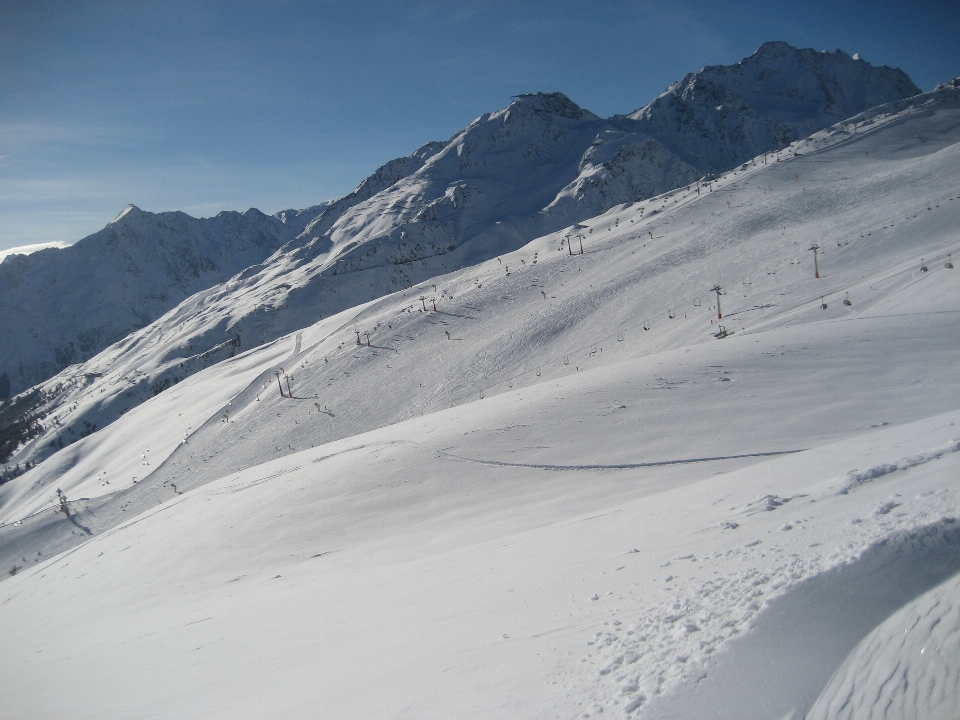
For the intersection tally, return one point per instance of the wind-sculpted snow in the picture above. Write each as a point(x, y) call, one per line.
point(802, 613)
point(908, 668)
point(855, 478)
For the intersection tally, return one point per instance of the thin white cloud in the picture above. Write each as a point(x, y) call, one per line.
point(17, 134)
point(27, 249)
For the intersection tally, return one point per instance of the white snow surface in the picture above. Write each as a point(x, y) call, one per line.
point(907, 667)
point(557, 495)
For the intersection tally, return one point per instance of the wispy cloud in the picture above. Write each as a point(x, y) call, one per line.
point(27, 133)
point(27, 249)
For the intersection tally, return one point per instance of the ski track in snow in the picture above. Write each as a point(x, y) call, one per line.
point(856, 478)
point(620, 466)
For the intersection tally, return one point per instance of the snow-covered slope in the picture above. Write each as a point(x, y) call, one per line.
point(540, 165)
point(557, 494)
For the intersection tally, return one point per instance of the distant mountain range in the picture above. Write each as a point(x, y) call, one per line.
point(61, 306)
point(201, 288)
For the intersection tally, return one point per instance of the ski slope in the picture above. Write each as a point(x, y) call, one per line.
point(548, 498)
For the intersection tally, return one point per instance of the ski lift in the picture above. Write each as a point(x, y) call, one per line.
point(697, 302)
point(722, 333)
point(846, 300)
point(823, 305)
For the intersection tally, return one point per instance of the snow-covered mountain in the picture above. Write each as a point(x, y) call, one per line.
point(540, 165)
point(723, 115)
point(62, 306)
point(571, 489)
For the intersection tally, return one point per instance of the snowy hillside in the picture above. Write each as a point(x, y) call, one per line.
point(541, 165)
point(62, 306)
point(559, 493)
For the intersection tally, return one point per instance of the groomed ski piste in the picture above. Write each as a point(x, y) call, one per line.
point(557, 495)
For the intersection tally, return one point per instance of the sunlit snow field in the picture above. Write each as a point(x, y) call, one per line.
point(559, 494)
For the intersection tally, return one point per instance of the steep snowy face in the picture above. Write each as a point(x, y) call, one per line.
point(724, 115)
point(64, 305)
point(720, 117)
point(501, 170)
point(621, 165)
point(313, 240)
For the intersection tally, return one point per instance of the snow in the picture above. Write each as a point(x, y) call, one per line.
point(63, 306)
point(643, 523)
point(906, 667)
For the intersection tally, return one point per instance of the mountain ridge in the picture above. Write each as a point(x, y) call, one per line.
point(117, 280)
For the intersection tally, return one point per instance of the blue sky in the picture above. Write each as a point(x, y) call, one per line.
point(211, 105)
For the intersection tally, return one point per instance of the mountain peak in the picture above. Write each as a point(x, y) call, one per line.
point(553, 103)
point(130, 212)
point(537, 165)
point(780, 48)
point(775, 96)
point(774, 48)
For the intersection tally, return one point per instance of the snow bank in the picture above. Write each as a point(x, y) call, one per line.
point(907, 668)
